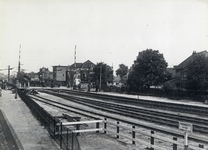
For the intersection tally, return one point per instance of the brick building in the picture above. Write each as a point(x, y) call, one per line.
point(59, 75)
point(80, 73)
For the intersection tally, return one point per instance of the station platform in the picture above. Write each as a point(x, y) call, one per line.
point(25, 128)
point(159, 99)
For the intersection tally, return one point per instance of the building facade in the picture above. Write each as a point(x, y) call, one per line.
point(80, 73)
point(60, 75)
point(179, 72)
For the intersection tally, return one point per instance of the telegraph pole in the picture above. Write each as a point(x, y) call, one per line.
point(8, 73)
point(75, 57)
point(19, 59)
point(100, 76)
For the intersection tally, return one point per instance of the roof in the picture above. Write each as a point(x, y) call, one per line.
point(75, 65)
point(81, 65)
point(60, 66)
point(86, 62)
point(190, 58)
point(117, 79)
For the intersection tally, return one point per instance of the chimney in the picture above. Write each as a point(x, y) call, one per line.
point(194, 52)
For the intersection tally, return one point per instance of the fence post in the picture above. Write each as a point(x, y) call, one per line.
point(67, 138)
point(72, 144)
point(61, 137)
point(105, 125)
point(97, 126)
point(133, 135)
point(186, 141)
point(78, 127)
point(117, 130)
point(201, 146)
point(54, 127)
point(174, 145)
point(152, 139)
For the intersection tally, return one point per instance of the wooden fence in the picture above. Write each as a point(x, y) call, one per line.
point(117, 130)
point(152, 136)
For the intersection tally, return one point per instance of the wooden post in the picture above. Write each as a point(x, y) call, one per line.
point(152, 140)
point(186, 141)
point(105, 125)
point(78, 127)
point(201, 146)
point(72, 147)
point(174, 145)
point(97, 126)
point(133, 135)
point(61, 137)
point(54, 127)
point(117, 130)
point(67, 138)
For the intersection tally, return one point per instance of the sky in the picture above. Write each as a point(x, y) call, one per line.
point(109, 31)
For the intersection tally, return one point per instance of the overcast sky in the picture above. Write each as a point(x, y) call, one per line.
point(111, 31)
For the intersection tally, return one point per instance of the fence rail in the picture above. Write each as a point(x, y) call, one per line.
point(117, 132)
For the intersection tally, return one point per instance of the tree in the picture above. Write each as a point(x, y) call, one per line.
point(122, 70)
point(197, 73)
point(149, 69)
point(21, 75)
point(103, 72)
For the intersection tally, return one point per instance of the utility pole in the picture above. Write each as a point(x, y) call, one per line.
point(75, 57)
point(8, 73)
point(19, 59)
point(100, 76)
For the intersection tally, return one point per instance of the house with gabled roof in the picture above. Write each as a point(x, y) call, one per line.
point(80, 73)
point(179, 76)
point(180, 69)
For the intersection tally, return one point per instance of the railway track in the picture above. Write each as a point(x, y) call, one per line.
point(129, 113)
point(163, 118)
point(176, 107)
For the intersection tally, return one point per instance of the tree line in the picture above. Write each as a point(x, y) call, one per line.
point(150, 69)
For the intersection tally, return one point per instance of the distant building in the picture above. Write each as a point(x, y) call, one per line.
point(179, 72)
point(77, 73)
point(172, 72)
point(45, 74)
point(80, 73)
point(34, 78)
point(59, 75)
point(120, 81)
point(180, 69)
